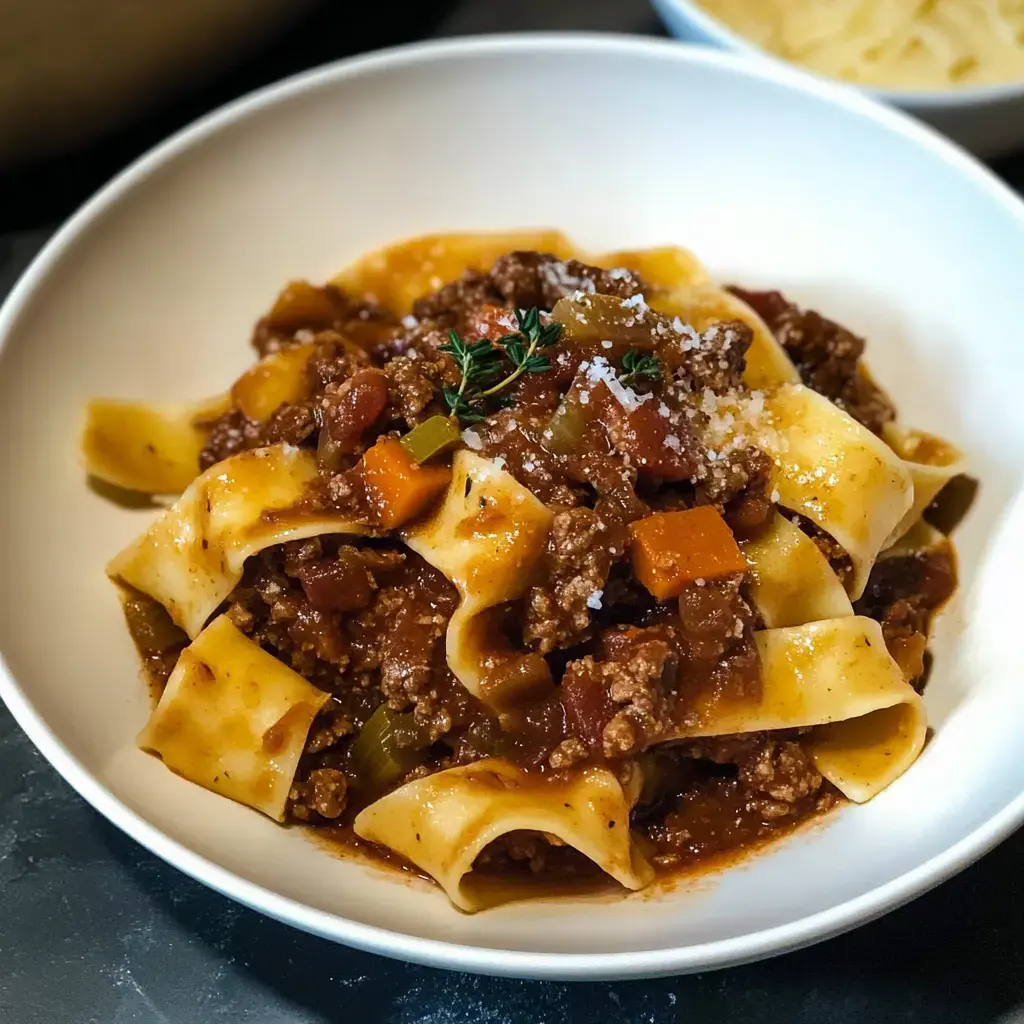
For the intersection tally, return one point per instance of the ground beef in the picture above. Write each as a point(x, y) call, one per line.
point(516, 437)
point(620, 703)
point(413, 388)
point(228, 435)
point(234, 432)
point(306, 637)
point(738, 486)
point(400, 636)
point(827, 356)
point(343, 581)
point(322, 794)
point(331, 726)
point(569, 752)
point(775, 773)
point(557, 611)
point(333, 360)
point(525, 279)
point(713, 615)
point(615, 486)
point(287, 602)
point(457, 304)
point(715, 359)
point(408, 654)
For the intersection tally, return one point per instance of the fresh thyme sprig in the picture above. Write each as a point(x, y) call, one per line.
point(637, 365)
point(479, 362)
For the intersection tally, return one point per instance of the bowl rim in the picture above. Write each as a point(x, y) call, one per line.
point(913, 99)
point(434, 952)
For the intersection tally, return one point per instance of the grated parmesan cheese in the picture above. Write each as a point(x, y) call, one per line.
point(558, 274)
point(598, 370)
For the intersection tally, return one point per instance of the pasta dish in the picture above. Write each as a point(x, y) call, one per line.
point(526, 570)
point(904, 44)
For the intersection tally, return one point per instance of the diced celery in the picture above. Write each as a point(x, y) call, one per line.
point(390, 744)
point(431, 437)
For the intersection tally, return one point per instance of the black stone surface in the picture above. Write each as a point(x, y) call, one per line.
point(95, 929)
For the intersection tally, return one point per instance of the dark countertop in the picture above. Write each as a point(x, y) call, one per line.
point(93, 928)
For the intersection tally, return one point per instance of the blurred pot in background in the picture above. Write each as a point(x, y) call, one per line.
point(71, 70)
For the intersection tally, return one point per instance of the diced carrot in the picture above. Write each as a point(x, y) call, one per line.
point(397, 488)
point(671, 549)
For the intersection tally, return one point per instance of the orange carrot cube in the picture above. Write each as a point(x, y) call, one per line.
point(399, 489)
point(671, 549)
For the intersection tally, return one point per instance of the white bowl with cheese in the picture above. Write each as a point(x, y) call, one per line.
point(986, 120)
point(776, 179)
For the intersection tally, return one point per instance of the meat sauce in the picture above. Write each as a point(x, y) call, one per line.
point(364, 619)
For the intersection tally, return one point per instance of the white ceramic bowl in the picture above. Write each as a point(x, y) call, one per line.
point(773, 178)
point(988, 120)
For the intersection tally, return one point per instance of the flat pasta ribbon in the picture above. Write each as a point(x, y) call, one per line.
point(790, 579)
point(837, 474)
point(147, 447)
point(192, 557)
point(442, 822)
point(838, 676)
point(486, 537)
point(234, 719)
point(397, 275)
point(154, 448)
point(662, 269)
point(931, 462)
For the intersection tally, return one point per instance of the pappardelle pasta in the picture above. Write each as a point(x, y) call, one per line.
point(533, 570)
